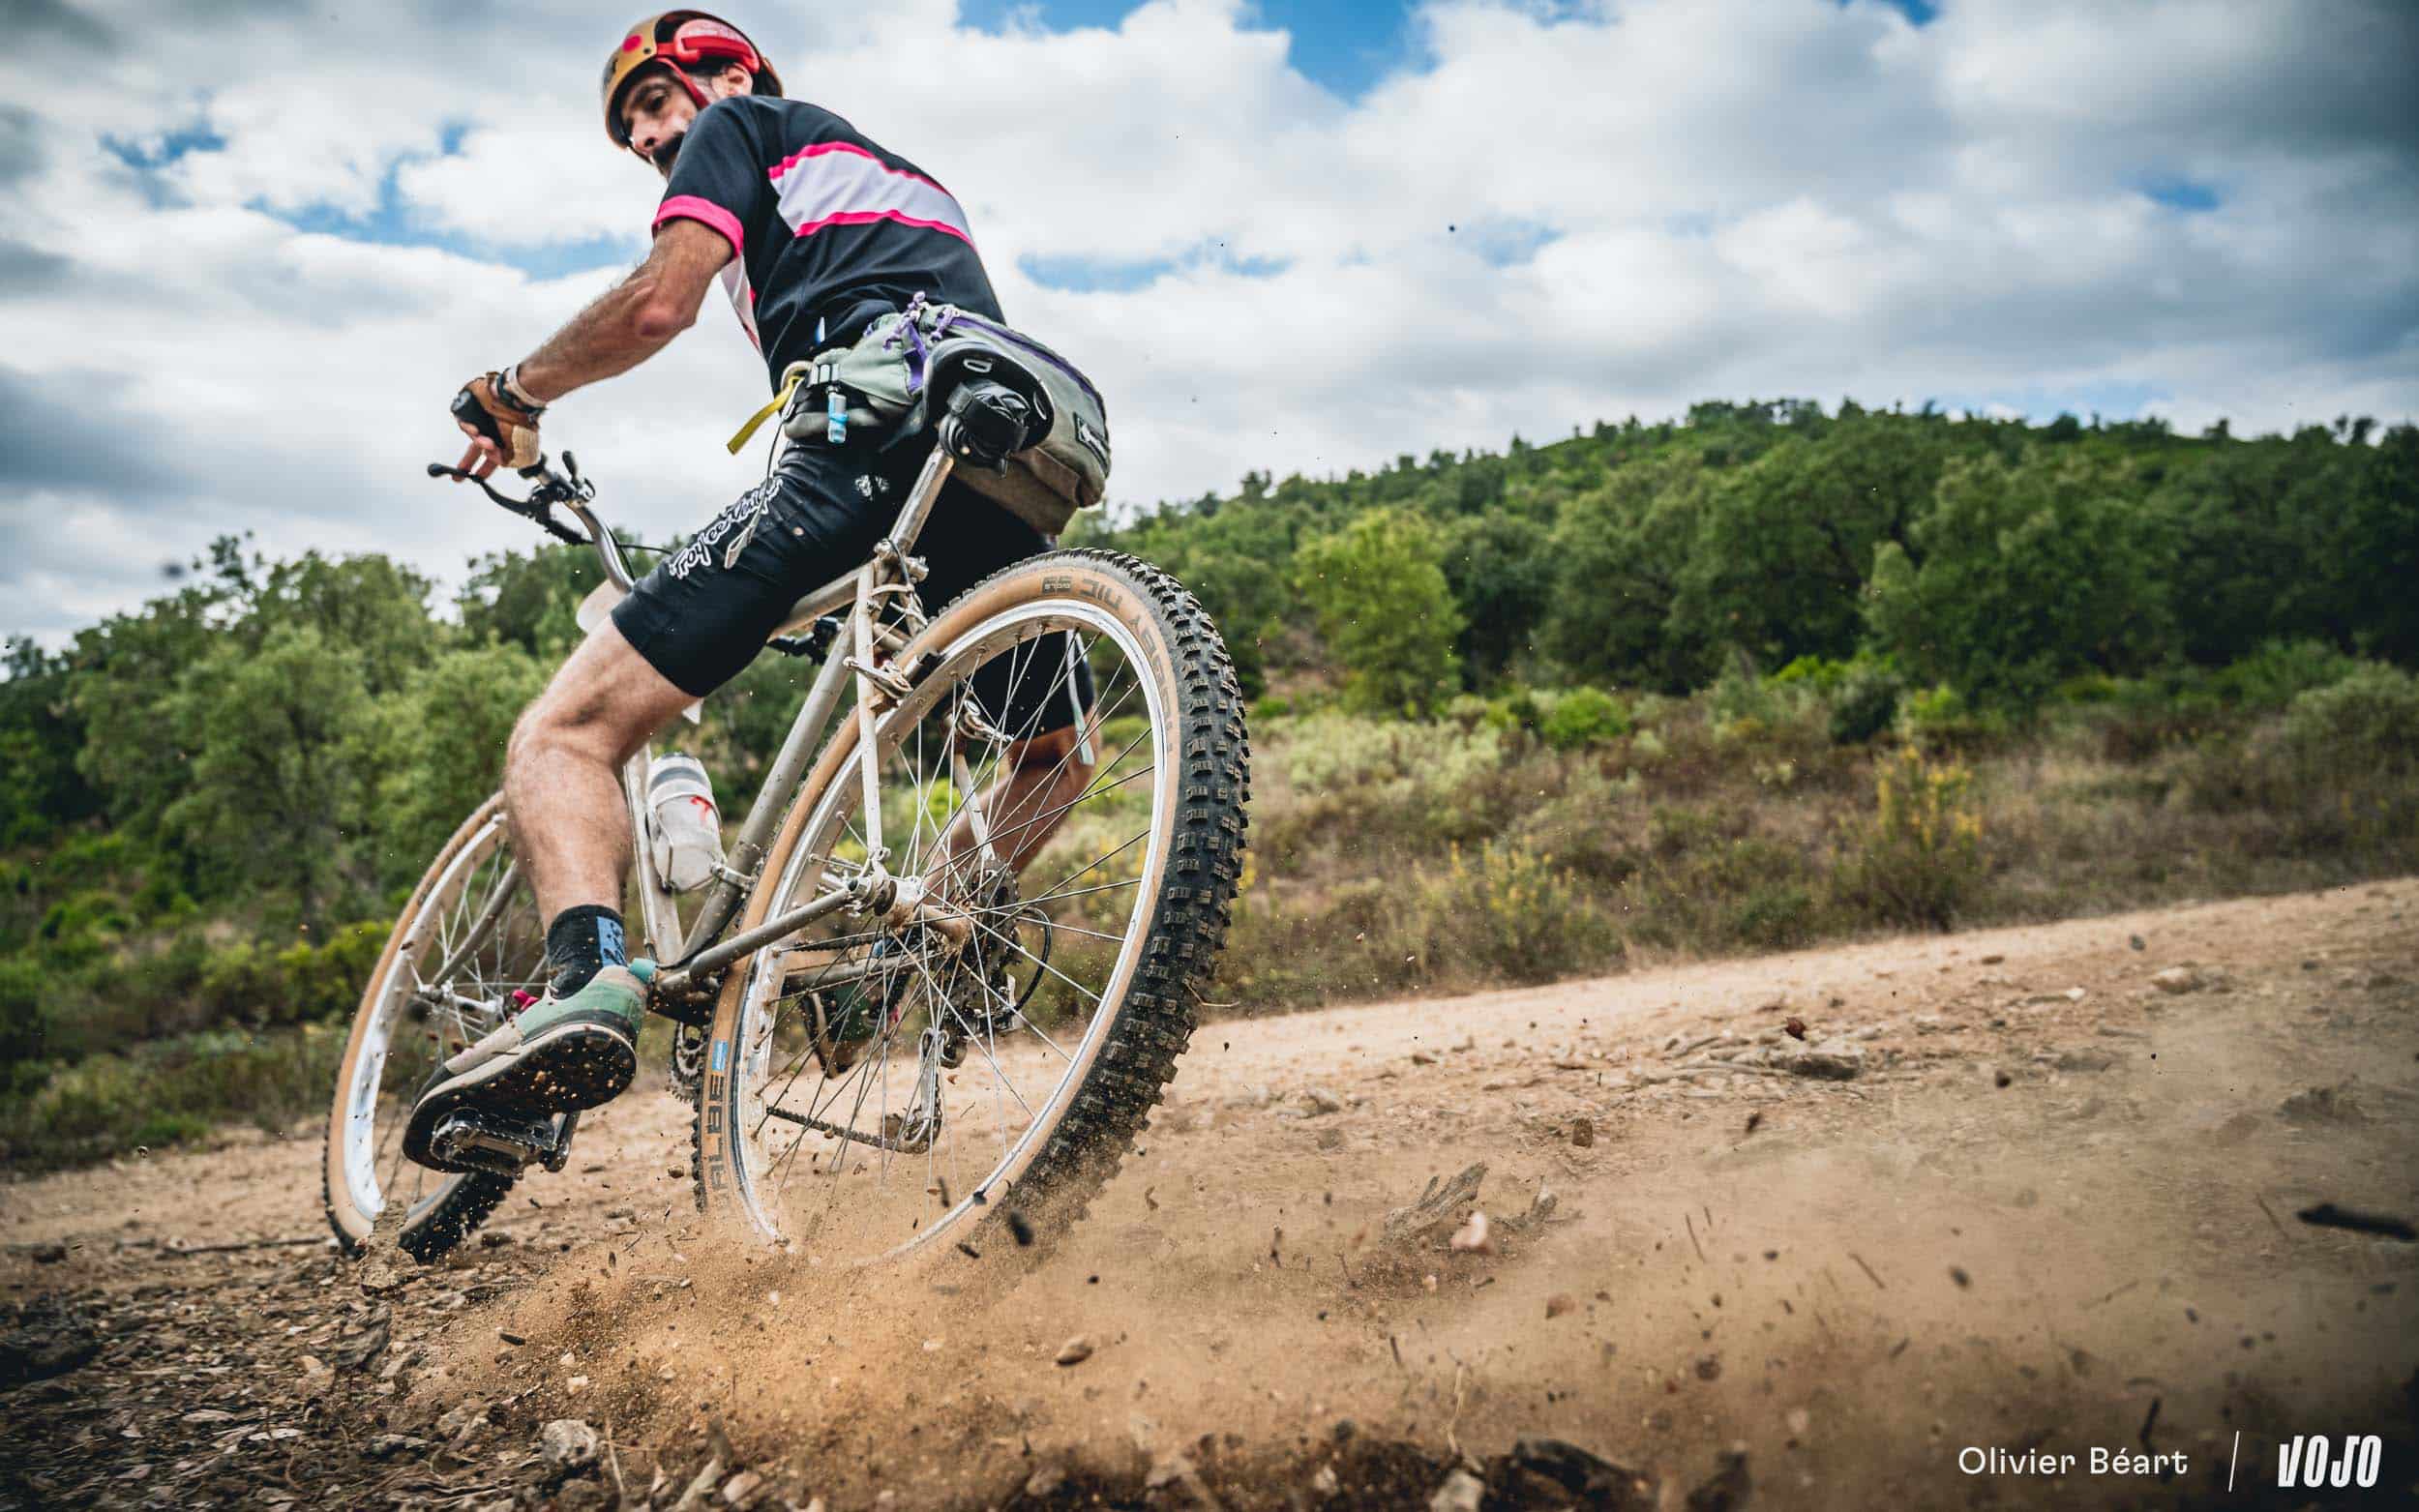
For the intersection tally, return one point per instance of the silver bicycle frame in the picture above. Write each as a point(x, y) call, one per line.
point(686, 955)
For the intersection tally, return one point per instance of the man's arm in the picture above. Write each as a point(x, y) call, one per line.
point(630, 323)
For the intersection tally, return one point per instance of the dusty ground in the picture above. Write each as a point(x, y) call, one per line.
point(2044, 1204)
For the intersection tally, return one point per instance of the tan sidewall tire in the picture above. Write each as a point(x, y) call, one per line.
point(1125, 1062)
point(468, 1201)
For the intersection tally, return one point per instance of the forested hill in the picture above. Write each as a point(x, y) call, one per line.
point(210, 805)
point(1994, 556)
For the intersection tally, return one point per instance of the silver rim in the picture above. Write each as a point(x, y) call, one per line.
point(414, 1021)
point(1069, 943)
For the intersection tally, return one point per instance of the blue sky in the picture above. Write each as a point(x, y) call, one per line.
point(1344, 45)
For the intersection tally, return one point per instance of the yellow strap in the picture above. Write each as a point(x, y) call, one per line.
point(788, 387)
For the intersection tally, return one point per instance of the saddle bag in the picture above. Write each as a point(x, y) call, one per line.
point(895, 380)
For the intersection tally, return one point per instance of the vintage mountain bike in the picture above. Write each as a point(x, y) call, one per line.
point(893, 1043)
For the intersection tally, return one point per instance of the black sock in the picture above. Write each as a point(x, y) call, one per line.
point(581, 943)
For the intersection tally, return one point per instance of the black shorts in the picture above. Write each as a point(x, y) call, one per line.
point(706, 610)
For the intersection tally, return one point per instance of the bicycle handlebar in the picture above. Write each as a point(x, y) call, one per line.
point(566, 489)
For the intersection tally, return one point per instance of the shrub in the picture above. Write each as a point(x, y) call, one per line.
point(25, 1012)
point(1516, 914)
point(241, 984)
point(2371, 715)
point(1584, 717)
point(1939, 718)
point(2282, 670)
point(1918, 858)
point(1864, 703)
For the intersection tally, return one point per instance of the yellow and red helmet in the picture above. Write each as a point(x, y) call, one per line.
point(680, 39)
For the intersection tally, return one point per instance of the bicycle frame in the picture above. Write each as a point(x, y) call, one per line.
point(687, 956)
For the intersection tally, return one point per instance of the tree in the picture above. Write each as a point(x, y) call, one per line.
point(1783, 545)
point(2029, 573)
point(279, 739)
point(1385, 611)
point(1618, 553)
point(439, 748)
point(1501, 568)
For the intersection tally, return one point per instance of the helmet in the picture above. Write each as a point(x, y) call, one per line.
point(680, 39)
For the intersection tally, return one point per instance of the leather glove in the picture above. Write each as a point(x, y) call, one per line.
point(502, 430)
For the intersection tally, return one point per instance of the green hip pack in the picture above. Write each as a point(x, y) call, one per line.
point(893, 380)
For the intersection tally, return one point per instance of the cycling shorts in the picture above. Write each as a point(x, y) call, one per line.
point(702, 615)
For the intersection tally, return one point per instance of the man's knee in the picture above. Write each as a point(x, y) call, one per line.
point(1060, 749)
point(601, 705)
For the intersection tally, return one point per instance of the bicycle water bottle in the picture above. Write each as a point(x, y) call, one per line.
point(685, 837)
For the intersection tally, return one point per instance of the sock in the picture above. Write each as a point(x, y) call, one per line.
point(581, 943)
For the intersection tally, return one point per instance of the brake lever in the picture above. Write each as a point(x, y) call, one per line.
point(540, 515)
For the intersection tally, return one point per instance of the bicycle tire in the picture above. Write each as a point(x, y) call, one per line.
point(462, 1202)
point(1197, 862)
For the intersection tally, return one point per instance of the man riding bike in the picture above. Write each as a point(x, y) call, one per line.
point(814, 231)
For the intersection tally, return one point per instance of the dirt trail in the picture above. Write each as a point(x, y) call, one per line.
point(2041, 1203)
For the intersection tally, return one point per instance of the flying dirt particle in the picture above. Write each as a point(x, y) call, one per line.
point(1092, 1281)
point(1755, 1120)
point(1076, 1350)
point(1795, 1028)
point(1583, 1133)
point(2136, 942)
point(1149, 1201)
point(2002, 1079)
point(1956, 1273)
point(1558, 1303)
point(1708, 1367)
point(1772, 1255)
point(1022, 1229)
point(969, 1251)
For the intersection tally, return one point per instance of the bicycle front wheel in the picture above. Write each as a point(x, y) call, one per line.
point(968, 1080)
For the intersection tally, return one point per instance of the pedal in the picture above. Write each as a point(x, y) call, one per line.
point(500, 1145)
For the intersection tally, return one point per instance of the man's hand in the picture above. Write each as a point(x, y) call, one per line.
point(501, 431)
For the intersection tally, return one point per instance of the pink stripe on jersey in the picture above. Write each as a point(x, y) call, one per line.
point(820, 149)
point(689, 207)
point(868, 217)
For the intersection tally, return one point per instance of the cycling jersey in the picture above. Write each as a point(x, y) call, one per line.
point(826, 230)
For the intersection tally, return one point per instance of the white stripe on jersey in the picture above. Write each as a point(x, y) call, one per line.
point(839, 184)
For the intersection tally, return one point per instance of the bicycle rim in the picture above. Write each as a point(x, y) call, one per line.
point(829, 1159)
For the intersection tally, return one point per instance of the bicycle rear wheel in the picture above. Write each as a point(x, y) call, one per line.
point(991, 1082)
point(467, 941)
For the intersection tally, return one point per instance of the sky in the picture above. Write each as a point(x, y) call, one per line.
point(247, 250)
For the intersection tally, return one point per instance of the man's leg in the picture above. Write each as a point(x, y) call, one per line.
point(562, 781)
point(1025, 804)
point(576, 1046)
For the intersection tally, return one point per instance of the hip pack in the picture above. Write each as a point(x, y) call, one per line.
point(894, 380)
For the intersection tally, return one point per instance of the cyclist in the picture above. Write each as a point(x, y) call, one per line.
point(814, 231)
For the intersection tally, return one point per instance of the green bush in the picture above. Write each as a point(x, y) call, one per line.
point(1864, 703)
point(1939, 718)
point(2282, 670)
point(1917, 859)
point(241, 984)
point(2371, 715)
point(25, 1012)
point(1584, 717)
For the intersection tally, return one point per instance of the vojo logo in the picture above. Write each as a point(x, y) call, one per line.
point(2311, 1462)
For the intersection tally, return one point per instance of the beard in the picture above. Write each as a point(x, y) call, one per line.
point(662, 157)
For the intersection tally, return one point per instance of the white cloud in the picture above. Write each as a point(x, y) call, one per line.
point(1557, 215)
